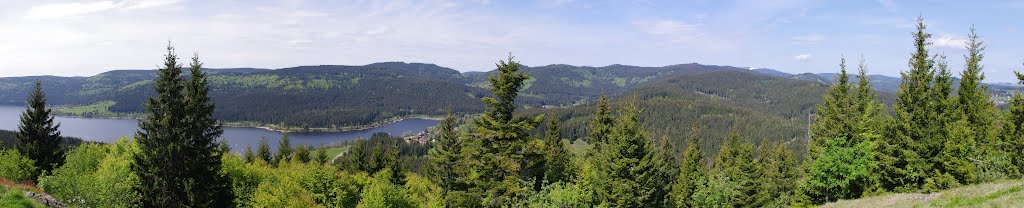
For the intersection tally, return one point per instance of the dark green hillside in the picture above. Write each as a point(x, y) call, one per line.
point(758, 107)
point(9, 138)
point(566, 84)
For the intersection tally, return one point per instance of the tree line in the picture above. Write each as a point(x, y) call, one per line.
point(933, 138)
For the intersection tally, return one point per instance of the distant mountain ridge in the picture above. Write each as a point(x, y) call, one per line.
point(340, 95)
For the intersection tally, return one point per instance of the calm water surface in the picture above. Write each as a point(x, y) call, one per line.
point(106, 130)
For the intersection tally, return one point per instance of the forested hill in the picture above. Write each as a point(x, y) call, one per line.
point(760, 108)
point(337, 96)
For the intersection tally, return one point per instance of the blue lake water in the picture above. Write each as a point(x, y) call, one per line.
point(106, 130)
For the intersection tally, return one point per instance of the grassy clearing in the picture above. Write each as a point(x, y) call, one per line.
point(14, 198)
point(334, 152)
point(96, 110)
point(994, 194)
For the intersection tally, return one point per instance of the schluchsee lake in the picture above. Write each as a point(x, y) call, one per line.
point(107, 130)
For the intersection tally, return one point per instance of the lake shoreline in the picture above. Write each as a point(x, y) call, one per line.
point(276, 128)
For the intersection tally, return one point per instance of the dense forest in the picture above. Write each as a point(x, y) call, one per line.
point(652, 146)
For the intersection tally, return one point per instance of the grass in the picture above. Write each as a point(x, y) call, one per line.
point(995, 194)
point(99, 109)
point(14, 198)
point(334, 152)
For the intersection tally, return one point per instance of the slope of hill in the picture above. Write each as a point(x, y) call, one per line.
point(758, 107)
point(994, 194)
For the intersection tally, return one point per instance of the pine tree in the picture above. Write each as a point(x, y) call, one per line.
point(263, 151)
point(201, 139)
point(556, 156)
point(692, 173)
point(248, 155)
point(733, 164)
point(38, 137)
point(445, 152)
point(776, 175)
point(1013, 129)
point(321, 155)
point(503, 137)
point(832, 116)
point(600, 127)
point(161, 164)
point(630, 164)
point(284, 150)
point(302, 154)
point(912, 132)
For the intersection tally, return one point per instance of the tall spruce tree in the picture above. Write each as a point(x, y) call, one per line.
point(38, 137)
point(629, 163)
point(734, 165)
point(912, 128)
point(600, 127)
point(832, 117)
point(263, 151)
point(445, 152)
point(284, 150)
point(776, 176)
point(503, 137)
point(692, 172)
point(1013, 129)
point(556, 156)
point(203, 130)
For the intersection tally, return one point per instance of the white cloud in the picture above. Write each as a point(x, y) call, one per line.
point(675, 30)
point(146, 4)
point(60, 10)
point(949, 41)
point(803, 57)
point(808, 39)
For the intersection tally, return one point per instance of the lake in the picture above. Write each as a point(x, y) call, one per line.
point(106, 130)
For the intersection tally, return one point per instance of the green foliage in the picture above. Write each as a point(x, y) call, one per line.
point(263, 151)
point(17, 167)
point(179, 161)
point(321, 155)
point(629, 162)
point(284, 150)
point(380, 192)
point(97, 176)
point(557, 166)
point(13, 198)
point(302, 154)
point(422, 192)
point(841, 172)
point(693, 173)
point(719, 192)
point(38, 137)
point(777, 174)
point(560, 194)
point(445, 154)
point(734, 167)
point(503, 138)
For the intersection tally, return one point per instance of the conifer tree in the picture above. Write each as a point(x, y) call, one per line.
point(913, 130)
point(1013, 129)
point(733, 165)
point(302, 154)
point(692, 173)
point(248, 156)
point(776, 176)
point(263, 151)
point(445, 152)
point(38, 137)
point(201, 139)
point(284, 150)
point(630, 164)
point(600, 127)
point(556, 156)
point(832, 117)
point(321, 155)
point(503, 136)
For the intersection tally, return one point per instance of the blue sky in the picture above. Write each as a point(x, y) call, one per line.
point(83, 38)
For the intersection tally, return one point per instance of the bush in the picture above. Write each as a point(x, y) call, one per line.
point(16, 167)
point(96, 175)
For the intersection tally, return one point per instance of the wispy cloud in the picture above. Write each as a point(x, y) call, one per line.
point(60, 10)
point(63, 10)
point(803, 57)
point(949, 41)
point(808, 39)
point(674, 30)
